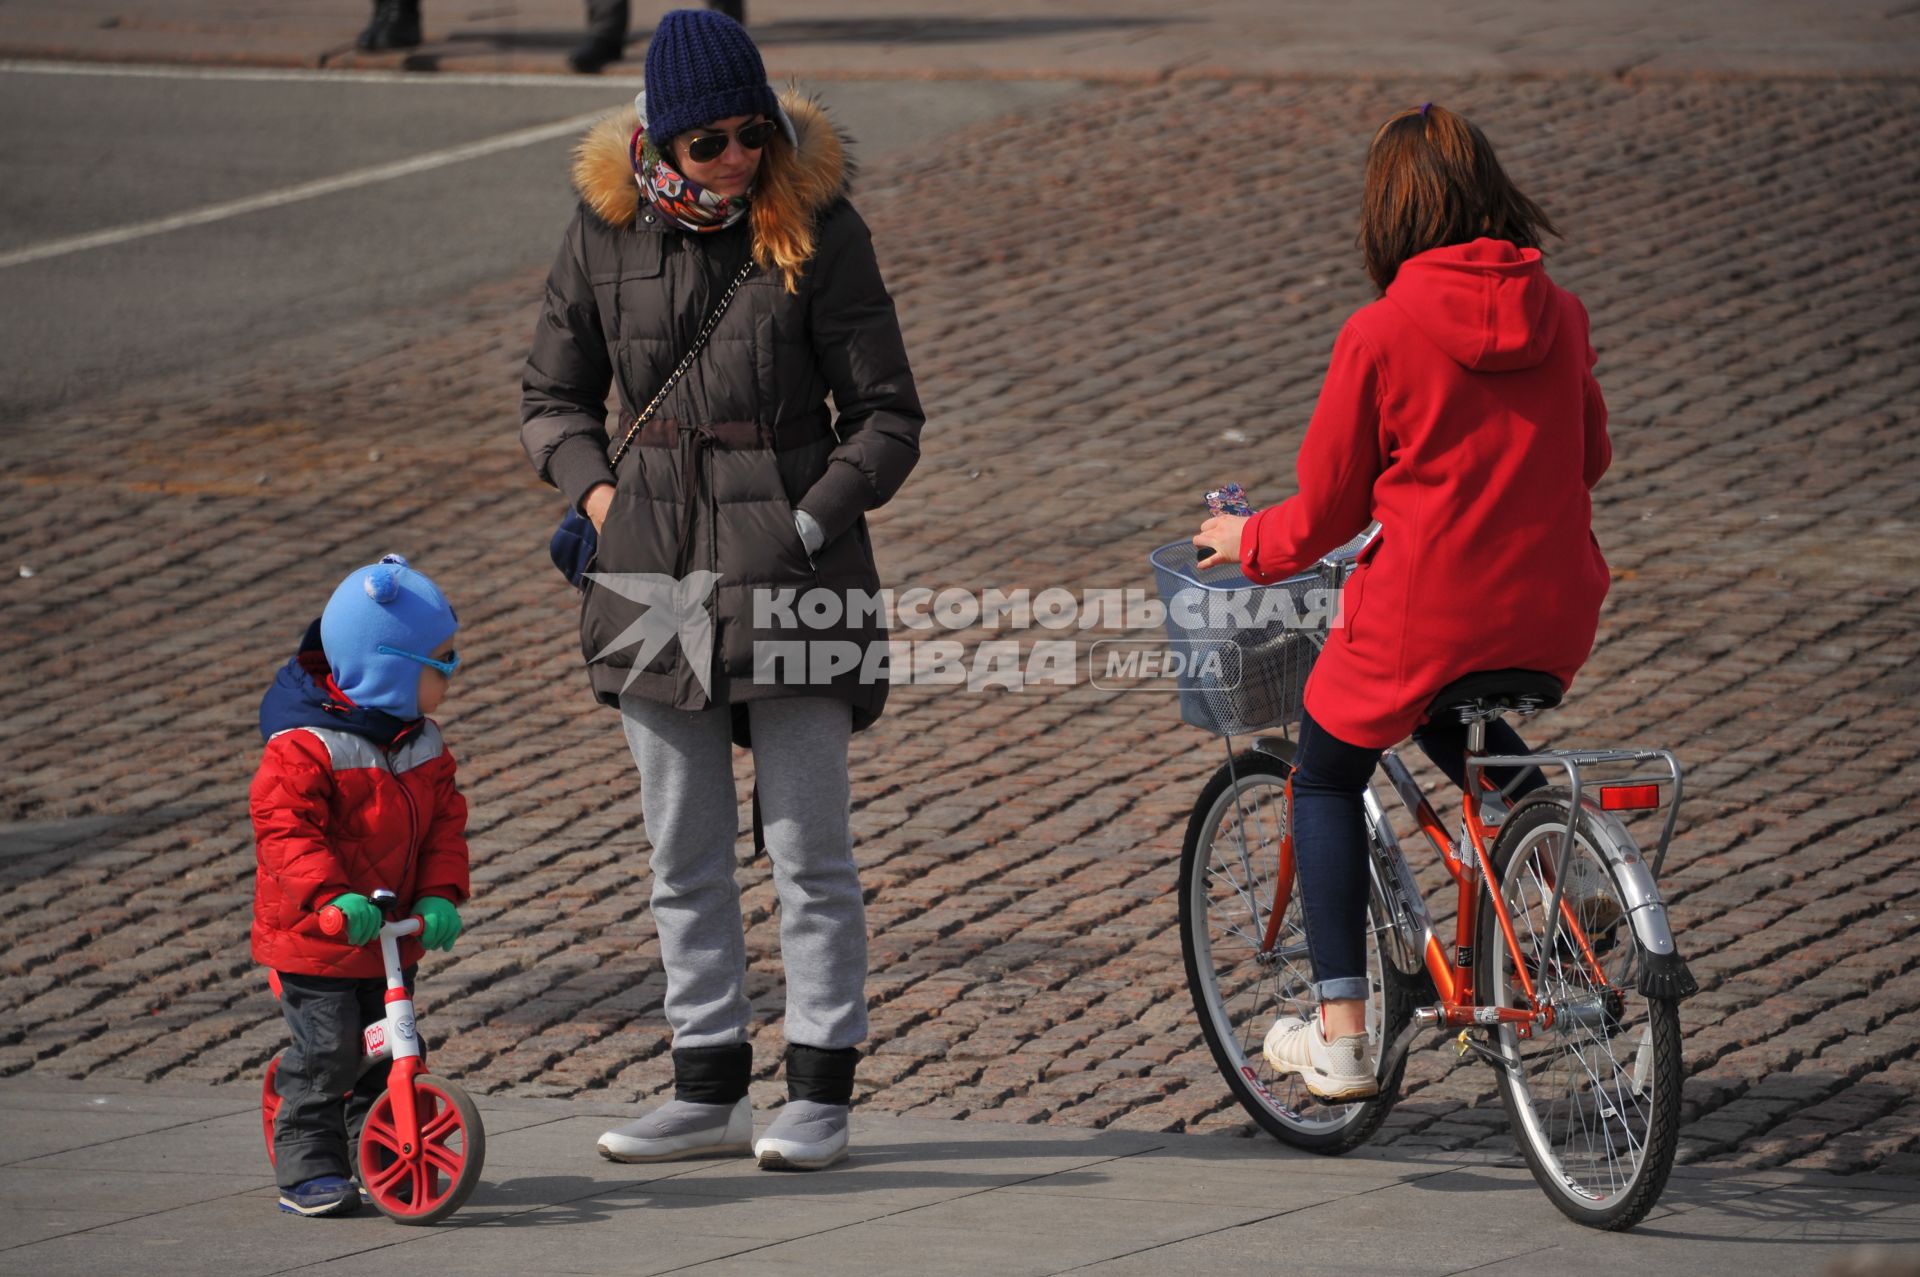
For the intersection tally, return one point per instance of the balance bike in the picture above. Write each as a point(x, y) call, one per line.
point(422, 1145)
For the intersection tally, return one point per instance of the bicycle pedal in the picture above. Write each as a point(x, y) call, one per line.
point(1461, 1043)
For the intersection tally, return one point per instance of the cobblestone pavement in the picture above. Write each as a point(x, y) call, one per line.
point(1103, 330)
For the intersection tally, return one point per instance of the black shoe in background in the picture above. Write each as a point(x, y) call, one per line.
point(606, 36)
point(591, 57)
point(395, 25)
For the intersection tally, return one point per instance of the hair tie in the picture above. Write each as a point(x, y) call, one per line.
point(1423, 108)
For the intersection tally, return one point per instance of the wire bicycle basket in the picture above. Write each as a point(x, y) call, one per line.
point(1245, 650)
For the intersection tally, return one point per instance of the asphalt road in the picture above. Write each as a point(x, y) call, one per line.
point(430, 185)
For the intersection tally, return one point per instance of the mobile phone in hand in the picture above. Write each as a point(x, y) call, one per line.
point(1227, 499)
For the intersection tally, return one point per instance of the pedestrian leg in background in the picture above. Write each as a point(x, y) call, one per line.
point(800, 771)
point(606, 36)
point(735, 9)
point(688, 802)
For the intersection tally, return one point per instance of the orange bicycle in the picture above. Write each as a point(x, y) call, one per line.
point(1562, 976)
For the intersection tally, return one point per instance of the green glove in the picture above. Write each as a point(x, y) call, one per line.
point(439, 922)
point(363, 917)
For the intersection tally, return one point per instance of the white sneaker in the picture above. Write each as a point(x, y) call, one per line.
point(678, 1129)
point(805, 1136)
point(1338, 1072)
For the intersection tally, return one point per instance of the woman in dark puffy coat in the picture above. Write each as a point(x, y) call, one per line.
point(742, 488)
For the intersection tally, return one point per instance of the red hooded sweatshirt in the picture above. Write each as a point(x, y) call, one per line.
point(1461, 412)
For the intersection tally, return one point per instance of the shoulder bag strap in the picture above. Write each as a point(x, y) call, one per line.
point(673, 378)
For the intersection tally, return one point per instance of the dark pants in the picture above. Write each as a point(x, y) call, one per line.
point(608, 19)
point(1330, 836)
point(319, 1123)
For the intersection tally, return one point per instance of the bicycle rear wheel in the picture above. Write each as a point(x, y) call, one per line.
point(1595, 1098)
point(1229, 872)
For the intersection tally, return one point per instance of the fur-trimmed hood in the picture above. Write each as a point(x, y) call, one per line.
point(788, 198)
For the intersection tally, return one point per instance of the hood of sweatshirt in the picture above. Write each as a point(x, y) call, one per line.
point(1487, 304)
point(304, 695)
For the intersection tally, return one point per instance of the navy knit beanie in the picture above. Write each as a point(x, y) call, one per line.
point(702, 66)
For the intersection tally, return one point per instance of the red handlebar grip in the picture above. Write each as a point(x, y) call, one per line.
point(332, 921)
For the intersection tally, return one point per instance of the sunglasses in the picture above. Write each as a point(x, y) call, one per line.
point(709, 147)
point(446, 667)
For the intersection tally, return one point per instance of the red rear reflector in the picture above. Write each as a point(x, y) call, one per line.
point(1629, 797)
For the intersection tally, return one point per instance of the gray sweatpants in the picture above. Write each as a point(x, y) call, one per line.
point(687, 799)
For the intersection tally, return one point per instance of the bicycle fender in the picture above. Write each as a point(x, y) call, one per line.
point(1646, 912)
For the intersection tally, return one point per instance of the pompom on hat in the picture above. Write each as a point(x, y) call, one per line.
point(388, 604)
point(702, 66)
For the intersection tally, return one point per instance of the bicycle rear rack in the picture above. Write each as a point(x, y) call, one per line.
point(1572, 760)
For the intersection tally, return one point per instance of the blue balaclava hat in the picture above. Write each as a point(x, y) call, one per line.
point(384, 604)
point(702, 66)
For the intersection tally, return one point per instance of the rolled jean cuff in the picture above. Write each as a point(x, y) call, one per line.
point(1353, 986)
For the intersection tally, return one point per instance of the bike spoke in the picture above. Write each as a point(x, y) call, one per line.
point(390, 1175)
point(442, 1123)
point(444, 1160)
point(380, 1131)
point(1583, 1079)
point(1233, 894)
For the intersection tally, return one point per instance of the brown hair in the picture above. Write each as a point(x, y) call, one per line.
point(782, 214)
point(1433, 180)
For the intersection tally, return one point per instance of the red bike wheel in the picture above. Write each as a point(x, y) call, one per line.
point(270, 1102)
point(423, 1184)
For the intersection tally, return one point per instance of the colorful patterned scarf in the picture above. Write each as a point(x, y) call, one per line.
point(679, 198)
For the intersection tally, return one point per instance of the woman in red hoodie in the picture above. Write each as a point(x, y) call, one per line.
point(1460, 412)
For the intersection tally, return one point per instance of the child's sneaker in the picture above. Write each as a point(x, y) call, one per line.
point(1338, 1072)
point(327, 1195)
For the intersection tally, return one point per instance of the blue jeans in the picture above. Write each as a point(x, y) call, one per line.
point(1330, 836)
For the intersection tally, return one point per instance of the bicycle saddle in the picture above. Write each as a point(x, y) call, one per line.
point(1489, 692)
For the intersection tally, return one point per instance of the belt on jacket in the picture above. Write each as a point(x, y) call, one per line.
point(696, 443)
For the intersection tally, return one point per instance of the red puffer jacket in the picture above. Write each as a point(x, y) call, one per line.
point(361, 802)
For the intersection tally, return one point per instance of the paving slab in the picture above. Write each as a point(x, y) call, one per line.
point(130, 1190)
point(958, 1197)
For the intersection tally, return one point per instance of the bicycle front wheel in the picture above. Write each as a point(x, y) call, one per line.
point(1595, 1098)
point(426, 1184)
point(1230, 869)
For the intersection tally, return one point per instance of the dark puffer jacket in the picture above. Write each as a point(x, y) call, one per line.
point(711, 483)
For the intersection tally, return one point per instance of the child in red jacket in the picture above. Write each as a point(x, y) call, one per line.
point(1460, 411)
point(355, 793)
